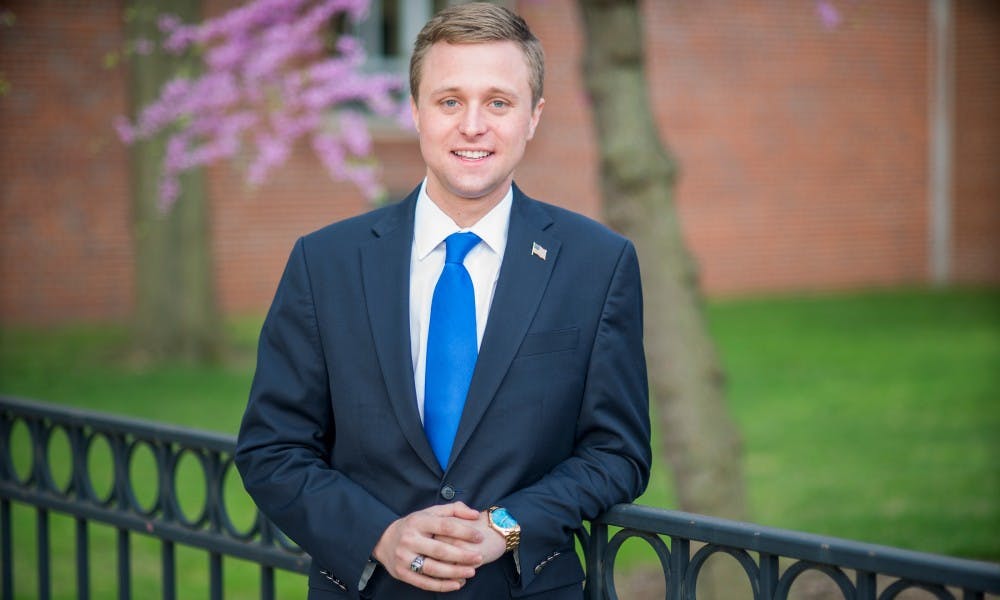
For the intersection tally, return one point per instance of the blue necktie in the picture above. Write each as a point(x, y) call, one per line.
point(451, 347)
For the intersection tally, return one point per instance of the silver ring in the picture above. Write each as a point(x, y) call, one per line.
point(417, 564)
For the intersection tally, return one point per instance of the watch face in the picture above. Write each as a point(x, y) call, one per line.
point(502, 519)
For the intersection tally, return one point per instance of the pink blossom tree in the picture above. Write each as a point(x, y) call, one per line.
point(250, 84)
point(275, 72)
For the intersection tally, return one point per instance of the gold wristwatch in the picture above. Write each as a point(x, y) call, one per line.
point(503, 523)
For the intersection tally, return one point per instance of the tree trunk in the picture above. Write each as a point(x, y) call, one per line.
point(176, 315)
point(699, 439)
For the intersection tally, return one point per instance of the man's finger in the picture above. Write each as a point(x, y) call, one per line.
point(433, 584)
point(446, 570)
point(457, 528)
point(453, 553)
point(461, 510)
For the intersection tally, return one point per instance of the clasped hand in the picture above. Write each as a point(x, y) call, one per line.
point(454, 540)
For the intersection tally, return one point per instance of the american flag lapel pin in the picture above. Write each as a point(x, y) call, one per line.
point(538, 250)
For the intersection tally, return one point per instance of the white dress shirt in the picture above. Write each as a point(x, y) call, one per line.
point(430, 228)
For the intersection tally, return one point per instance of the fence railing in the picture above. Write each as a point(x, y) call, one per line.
point(131, 475)
point(774, 559)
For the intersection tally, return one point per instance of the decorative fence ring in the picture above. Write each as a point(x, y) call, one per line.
point(88, 491)
point(48, 480)
point(173, 497)
point(228, 466)
point(798, 568)
point(10, 426)
point(131, 451)
point(615, 545)
point(707, 551)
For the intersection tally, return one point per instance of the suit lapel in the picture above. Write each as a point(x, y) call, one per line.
point(385, 272)
point(520, 286)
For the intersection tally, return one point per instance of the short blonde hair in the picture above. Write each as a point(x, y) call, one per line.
point(479, 22)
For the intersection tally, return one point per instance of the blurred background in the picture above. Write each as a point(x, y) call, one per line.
point(805, 153)
point(839, 189)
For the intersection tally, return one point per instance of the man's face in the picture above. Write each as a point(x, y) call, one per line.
point(474, 118)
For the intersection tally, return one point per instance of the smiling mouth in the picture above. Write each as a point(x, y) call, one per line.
point(472, 154)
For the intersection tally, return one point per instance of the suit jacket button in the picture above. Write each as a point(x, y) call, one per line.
point(448, 492)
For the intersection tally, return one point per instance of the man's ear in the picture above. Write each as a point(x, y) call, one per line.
point(536, 114)
point(414, 113)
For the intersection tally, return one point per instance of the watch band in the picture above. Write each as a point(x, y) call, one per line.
point(513, 539)
point(511, 534)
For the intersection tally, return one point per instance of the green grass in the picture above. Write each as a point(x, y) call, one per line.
point(90, 367)
point(869, 416)
point(873, 417)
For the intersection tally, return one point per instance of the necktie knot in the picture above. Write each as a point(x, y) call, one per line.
point(457, 245)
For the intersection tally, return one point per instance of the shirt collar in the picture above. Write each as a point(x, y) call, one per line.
point(431, 225)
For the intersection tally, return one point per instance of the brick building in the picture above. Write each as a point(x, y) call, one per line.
point(812, 158)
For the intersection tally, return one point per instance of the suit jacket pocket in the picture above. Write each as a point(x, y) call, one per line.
point(544, 342)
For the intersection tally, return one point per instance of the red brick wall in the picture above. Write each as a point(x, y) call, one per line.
point(803, 153)
point(976, 242)
point(803, 150)
point(64, 213)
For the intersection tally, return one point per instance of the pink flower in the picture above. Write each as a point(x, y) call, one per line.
point(124, 129)
point(354, 131)
point(170, 190)
point(269, 79)
point(828, 14)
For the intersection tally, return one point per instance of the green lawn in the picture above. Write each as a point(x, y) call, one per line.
point(873, 417)
point(869, 416)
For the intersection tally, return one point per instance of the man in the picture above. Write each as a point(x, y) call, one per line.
point(427, 418)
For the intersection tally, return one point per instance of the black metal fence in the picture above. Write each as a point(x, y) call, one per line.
point(132, 476)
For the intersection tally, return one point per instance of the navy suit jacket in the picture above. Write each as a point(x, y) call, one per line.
point(555, 427)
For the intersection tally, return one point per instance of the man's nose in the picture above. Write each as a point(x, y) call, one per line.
point(473, 122)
